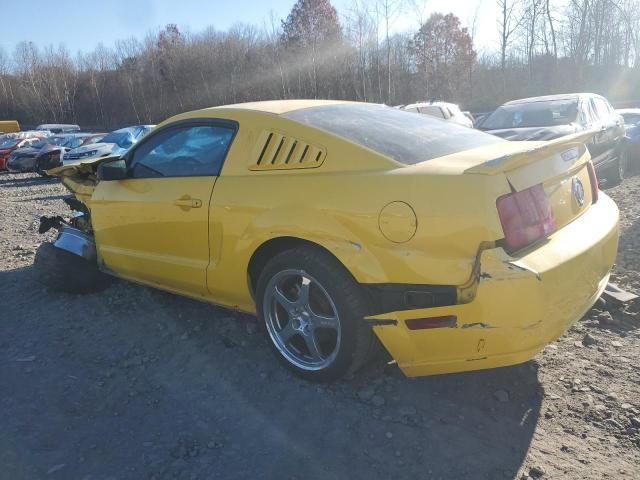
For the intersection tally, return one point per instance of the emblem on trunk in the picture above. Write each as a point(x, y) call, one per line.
point(578, 190)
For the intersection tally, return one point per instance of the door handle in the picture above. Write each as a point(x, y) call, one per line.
point(188, 202)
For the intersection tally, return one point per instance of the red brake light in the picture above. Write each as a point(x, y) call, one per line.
point(526, 216)
point(593, 178)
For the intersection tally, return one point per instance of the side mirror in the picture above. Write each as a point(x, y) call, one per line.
point(115, 170)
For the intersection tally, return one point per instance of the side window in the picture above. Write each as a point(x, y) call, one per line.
point(411, 109)
point(602, 108)
point(182, 152)
point(593, 110)
point(433, 111)
point(585, 117)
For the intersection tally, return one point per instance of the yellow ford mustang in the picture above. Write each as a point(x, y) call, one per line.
point(341, 223)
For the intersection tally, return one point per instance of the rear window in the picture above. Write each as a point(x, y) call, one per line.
point(433, 111)
point(403, 136)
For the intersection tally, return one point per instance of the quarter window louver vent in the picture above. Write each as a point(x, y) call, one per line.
point(275, 151)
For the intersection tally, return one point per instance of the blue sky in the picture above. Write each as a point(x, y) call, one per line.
point(82, 24)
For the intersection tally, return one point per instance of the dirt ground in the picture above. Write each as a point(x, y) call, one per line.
point(133, 383)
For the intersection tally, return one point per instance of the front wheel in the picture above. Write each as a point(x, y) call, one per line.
point(63, 271)
point(313, 313)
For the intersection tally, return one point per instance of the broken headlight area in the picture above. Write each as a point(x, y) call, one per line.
point(79, 219)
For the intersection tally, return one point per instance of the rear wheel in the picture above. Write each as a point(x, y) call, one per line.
point(618, 171)
point(313, 313)
point(63, 271)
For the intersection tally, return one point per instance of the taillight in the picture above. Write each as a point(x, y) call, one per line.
point(593, 179)
point(526, 216)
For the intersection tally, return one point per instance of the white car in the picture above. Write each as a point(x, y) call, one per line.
point(446, 111)
point(58, 128)
point(114, 143)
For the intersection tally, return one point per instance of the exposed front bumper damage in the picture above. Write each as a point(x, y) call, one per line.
point(521, 303)
point(77, 242)
point(75, 235)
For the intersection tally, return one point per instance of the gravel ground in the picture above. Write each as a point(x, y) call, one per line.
point(133, 383)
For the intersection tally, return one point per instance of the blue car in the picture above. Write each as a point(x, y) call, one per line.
point(632, 134)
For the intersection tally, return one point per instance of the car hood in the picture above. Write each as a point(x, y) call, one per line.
point(82, 168)
point(101, 147)
point(49, 147)
point(534, 133)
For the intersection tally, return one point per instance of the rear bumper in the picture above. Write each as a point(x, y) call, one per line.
point(521, 304)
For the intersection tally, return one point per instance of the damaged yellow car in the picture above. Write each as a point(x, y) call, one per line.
point(340, 224)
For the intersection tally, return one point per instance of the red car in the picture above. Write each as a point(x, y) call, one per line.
point(12, 141)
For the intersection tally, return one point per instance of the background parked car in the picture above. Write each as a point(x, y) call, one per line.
point(446, 111)
point(114, 143)
point(9, 126)
point(554, 116)
point(45, 153)
point(632, 133)
point(50, 155)
point(13, 141)
point(59, 127)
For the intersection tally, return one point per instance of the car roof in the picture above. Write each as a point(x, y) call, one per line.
point(130, 128)
point(279, 107)
point(430, 104)
point(45, 126)
point(73, 134)
point(551, 98)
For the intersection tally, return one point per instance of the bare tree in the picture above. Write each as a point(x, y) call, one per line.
point(390, 9)
point(508, 23)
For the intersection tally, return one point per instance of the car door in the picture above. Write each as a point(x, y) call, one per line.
point(154, 225)
point(592, 121)
point(609, 132)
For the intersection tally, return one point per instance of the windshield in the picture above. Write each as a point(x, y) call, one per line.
point(9, 142)
point(123, 139)
point(406, 137)
point(631, 118)
point(534, 114)
point(50, 141)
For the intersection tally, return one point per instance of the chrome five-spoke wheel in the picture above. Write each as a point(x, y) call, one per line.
point(302, 320)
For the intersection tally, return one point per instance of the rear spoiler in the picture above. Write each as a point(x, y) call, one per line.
point(570, 147)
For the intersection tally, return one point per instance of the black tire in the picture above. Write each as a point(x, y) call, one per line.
point(63, 271)
point(618, 171)
point(39, 170)
point(357, 341)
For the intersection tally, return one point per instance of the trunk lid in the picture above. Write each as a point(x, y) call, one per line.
point(560, 166)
